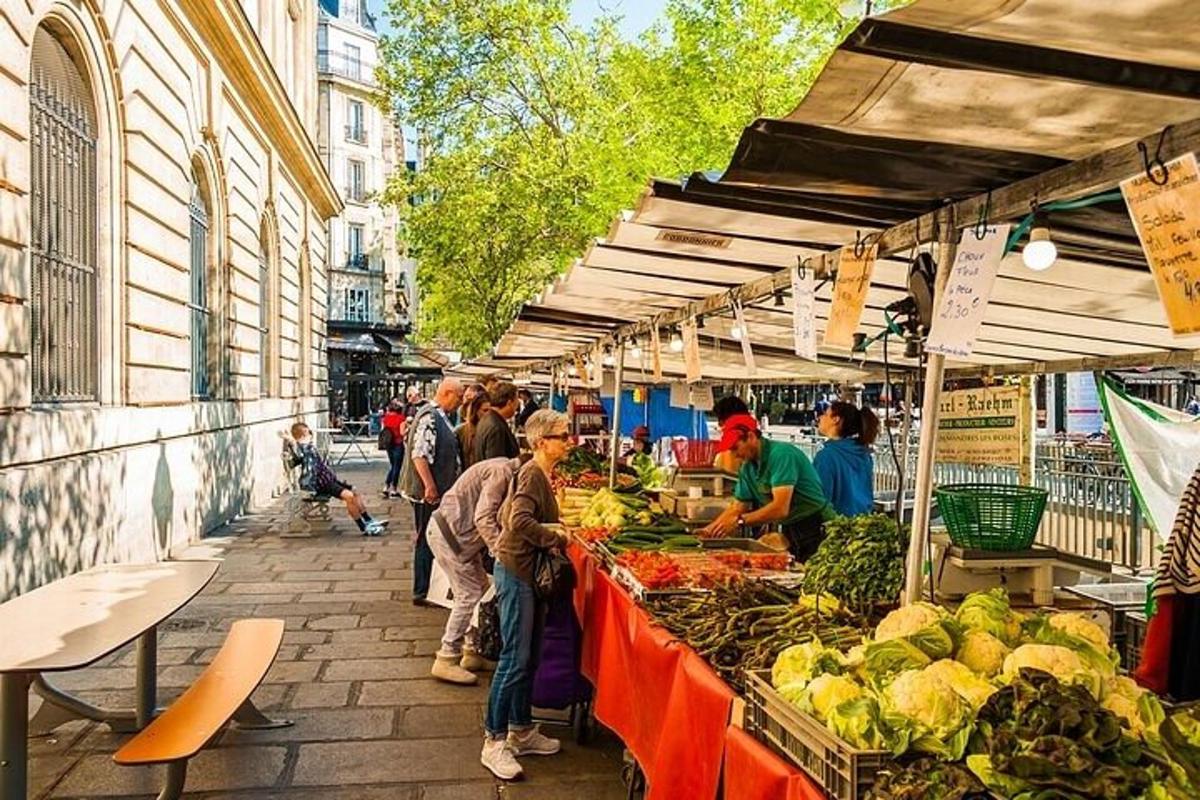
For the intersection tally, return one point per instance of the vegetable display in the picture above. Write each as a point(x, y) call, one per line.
point(617, 510)
point(745, 625)
point(861, 561)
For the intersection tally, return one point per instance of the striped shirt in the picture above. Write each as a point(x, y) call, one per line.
point(1179, 568)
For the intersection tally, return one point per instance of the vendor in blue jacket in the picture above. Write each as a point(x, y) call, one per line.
point(844, 464)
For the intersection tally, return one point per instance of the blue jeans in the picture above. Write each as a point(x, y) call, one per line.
point(509, 705)
point(422, 555)
point(396, 459)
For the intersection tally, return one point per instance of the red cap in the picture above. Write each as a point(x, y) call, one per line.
point(733, 430)
point(641, 432)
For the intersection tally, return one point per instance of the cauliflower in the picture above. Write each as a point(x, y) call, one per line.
point(973, 689)
point(826, 692)
point(928, 700)
point(1078, 625)
point(921, 624)
point(1139, 708)
point(982, 653)
point(1061, 662)
point(990, 612)
point(884, 660)
point(800, 663)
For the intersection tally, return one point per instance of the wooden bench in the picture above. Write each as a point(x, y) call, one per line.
point(301, 506)
point(220, 694)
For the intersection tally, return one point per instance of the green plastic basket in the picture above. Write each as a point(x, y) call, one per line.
point(991, 516)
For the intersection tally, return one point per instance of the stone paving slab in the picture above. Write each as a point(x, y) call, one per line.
point(353, 673)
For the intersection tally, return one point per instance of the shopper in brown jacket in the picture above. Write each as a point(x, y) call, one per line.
point(529, 523)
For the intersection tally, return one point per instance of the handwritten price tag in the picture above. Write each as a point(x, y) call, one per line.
point(962, 305)
point(1167, 220)
point(691, 352)
point(804, 314)
point(849, 296)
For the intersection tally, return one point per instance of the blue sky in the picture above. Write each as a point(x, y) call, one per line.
point(637, 15)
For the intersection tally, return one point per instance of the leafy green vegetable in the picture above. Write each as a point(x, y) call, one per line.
point(926, 626)
point(860, 561)
point(800, 663)
point(1181, 738)
point(973, 689)
point(1074, 632)
point(882, 661)
point(827, 691)
point(990, 612)
point(926, 779)
point(862, 724)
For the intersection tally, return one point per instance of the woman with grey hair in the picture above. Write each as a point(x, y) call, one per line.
point(528, 524)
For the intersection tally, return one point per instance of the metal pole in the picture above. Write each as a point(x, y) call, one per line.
point(935, 370)
point(147, 677)
point(14, 733)
point(618, 377)
point(905, 435)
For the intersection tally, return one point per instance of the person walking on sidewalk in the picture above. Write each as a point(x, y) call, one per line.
point(528, 525)
point(494, 437)
point(464, 527)
point(429, 472)
point(393, 424)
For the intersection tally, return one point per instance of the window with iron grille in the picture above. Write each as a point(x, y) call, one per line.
point(265, 355)
point(201, 312)
point(358, 304)
point(64, 223)
point(355, 257)
point(356, 175)
point(356, 129)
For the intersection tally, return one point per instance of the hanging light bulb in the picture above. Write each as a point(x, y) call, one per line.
point(609, 359)
point(573, 371)
point(676, 342)
point(736, 331)
point(635, 348)
point(1040, 253)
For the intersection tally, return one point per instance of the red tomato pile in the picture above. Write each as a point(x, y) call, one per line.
point(653, 570)
point(768, 561)
point(593, 535)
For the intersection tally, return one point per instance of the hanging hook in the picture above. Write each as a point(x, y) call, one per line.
point(803, 266)
point(985, 213)
point(1149, 164)
point(860, 245)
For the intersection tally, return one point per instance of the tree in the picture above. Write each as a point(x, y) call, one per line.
point(536, 132)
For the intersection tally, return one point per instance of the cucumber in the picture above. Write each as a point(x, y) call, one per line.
point(690, 541)
point(648, 538)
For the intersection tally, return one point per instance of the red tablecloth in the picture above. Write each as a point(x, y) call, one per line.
point(662, 699)
point(753, 772)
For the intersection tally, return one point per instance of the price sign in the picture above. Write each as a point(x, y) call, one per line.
point(691, 352)
point(804, 313)
point(747, 351)
point(964, 301)
point(700, 397)
point(679, 395)
point(849, 295)
point(1167, 220)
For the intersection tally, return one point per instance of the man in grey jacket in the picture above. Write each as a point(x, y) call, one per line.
point(464, 526)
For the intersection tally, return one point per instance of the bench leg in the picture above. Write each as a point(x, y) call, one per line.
point(249, 718)
point(14, 749)
point(176, 778)
point(59, 707)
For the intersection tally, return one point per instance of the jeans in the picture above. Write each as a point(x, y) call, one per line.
point(509, 702)
point(468, 581)
point(422, 555)
point(396, 459)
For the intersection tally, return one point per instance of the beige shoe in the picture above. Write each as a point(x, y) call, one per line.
point(446, 668)
point(476, 663)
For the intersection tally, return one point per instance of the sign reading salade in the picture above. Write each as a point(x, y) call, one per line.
point(980, 426)
point(849, 295)
point(1167, 220)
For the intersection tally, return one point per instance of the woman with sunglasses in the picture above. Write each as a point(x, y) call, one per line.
point(528, 524)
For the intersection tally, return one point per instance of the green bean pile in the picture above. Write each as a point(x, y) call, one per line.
point(744, 625)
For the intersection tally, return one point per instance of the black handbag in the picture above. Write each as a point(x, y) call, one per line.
point(490, 642)
point(553, 574)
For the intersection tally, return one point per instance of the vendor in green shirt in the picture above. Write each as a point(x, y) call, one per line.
point(776, 484)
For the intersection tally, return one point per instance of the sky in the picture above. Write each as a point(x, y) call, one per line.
point(637, 15)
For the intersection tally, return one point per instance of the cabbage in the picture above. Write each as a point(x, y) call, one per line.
point(1061, 662)
point(800, 663)
point(827, 691)
point(923, 625)
point(883, 660)
point(982, 653)
point(973, 689)
point(929, 701)
point(990, 612)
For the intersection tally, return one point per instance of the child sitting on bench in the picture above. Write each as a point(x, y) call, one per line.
point(317, 477)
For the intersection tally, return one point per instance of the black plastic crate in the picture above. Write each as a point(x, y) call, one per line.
point(1135, 636)
point(843, 772)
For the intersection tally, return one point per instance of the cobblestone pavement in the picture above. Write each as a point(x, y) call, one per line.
point(353, 673)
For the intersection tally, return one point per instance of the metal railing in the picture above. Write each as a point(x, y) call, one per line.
point(356, 134)
point(358, 261)
point(357, 194)
point(1091, 510)
point(334, 63)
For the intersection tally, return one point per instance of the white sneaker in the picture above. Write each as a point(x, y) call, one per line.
point(499, 760)
point(532, 742)
point(376, 527)
point(446, 668)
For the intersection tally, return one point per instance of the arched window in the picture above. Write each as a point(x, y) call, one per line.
point(201, 292)
point(266, 353)
point(65, 226)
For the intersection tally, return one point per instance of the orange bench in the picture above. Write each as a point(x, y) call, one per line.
point(220, 694)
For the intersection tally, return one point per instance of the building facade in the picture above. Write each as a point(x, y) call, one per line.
point(163, 271)
point(371, 278)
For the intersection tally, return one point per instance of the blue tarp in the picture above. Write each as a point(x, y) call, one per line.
point(658, 415)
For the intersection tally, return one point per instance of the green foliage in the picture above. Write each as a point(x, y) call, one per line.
point(535, 133)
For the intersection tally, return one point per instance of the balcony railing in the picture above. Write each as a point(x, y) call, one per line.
point(355, 194)
point(334, 63)
point(356, 134)
point(358, 261)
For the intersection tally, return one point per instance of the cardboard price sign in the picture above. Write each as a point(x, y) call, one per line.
point(747, 351)
point(1167, 220)
point(804, 313)
point(691, 352)
point(980, 426)
point(849, 295)
point(964, 301)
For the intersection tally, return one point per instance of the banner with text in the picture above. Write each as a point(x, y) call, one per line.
point(959, 315)
point(980, 426)
point(849, 295)
point(1167, 220)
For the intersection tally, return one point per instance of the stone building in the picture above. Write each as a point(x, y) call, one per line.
point(163, 270)
point(371, 278)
